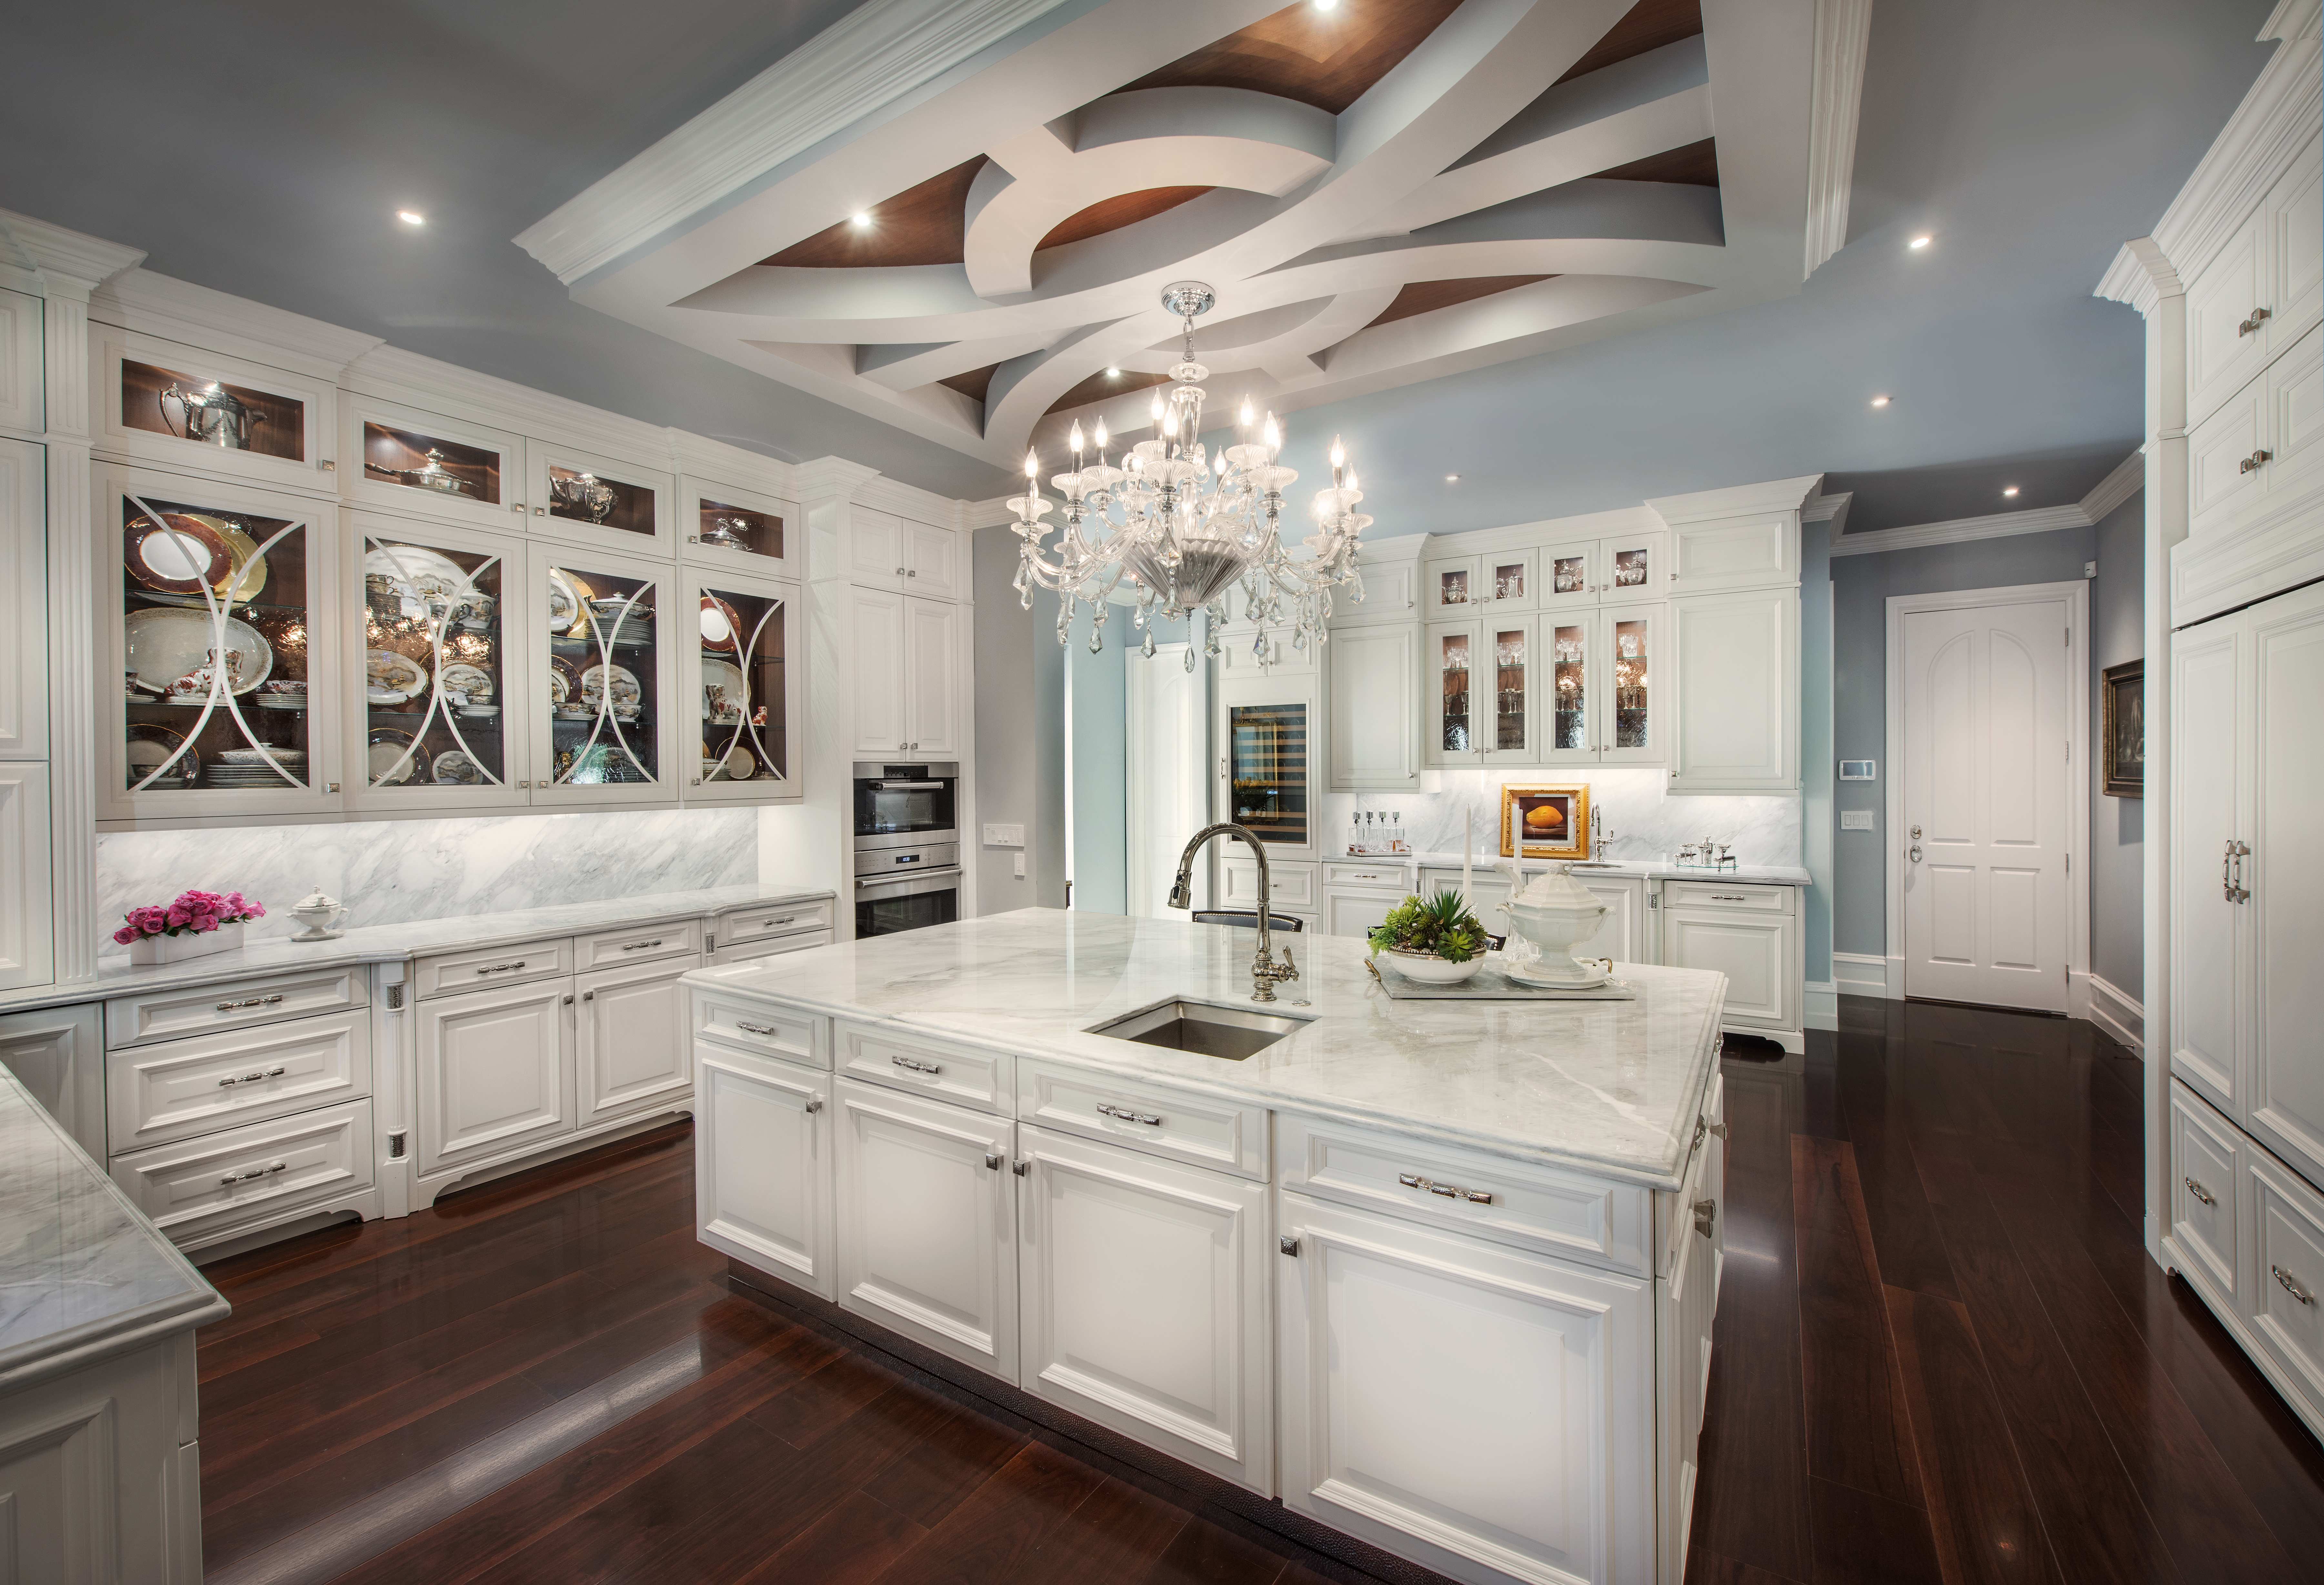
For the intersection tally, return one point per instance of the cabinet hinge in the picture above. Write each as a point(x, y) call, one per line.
point(394, 996)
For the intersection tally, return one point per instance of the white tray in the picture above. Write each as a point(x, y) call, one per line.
point(1490, 984)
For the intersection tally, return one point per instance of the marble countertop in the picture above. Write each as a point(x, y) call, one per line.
point(82, 1275)
point(1609, 1087)
point(1652, 869)
point(392, 943)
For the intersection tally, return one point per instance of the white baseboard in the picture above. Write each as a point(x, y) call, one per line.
point(2115, 1011)
point(1823, 1004)
point(1857, 973)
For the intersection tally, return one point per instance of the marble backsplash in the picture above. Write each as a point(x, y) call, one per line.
point(397, 872)
point(1636, 819)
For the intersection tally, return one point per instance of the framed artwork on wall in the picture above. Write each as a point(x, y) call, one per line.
point(1546, 821)
point(2123, 737)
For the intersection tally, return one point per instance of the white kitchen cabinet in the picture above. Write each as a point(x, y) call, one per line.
point(740, 688)
point(739, 529)
point(1496, 581)
point(28, 916)
point(1144, 1301)
point(905, 669)
point(1686, 1301)
point(1357, 911)
point(186, 408)
point(177, 1089)
point(1375, 696)
point(1758, 550)
point(23, 562)
point(1484, 1411)
point(873, 551)
point(2209, 1159)
point(934, 565)
point(2260, 448)
point(220, 1186)
point(927, 1210)
point(1731, 692)
point(1758, 950)
point(2284, 1305)
point(496, 1073)
point(606, 502)
point(604, 675)
point(2261, 292)
point(632, 1054)
point(21, 363)
point(405, 459)
point(932, 649)
point(1391, 593)
point(2209, 955)
point(762, 1165)
point(58, 1053)
point(1622, 933)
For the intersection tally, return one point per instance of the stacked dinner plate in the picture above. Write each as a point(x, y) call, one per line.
point(246, 767)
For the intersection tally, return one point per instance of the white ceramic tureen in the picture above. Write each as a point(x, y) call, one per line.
point(1556, 913)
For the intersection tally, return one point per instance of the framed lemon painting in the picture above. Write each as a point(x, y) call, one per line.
point(1545, 822)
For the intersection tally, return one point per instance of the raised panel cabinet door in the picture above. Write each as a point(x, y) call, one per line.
point(2207, 1176)
point(603, 677)
point(2226, 346)
point(2295, 416)
point(875, 549)
point(932, 561)
point(24, 632)
point(1356, 913)
point(1482, 1410)
point(632, 1046)
point(2224, 473)
point(495, 1071)
point(1375, 708)
point(1145, 1302)
point(1734, 553)
point(932, 659)
point(2208, 803)
point(58, 1054)
point(1732, 700)
point(762, 1171)
point(1621, 934)
point(21, 339)
point(2294, 216)
point(1451, 586)
point(927, 1222)
point(876, 640)
point(2285, 875)
point(1755, 954)
point(28, 944)
point(2285, 1306)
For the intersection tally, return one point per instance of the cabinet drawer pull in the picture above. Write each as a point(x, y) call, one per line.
point(2255, 461)
point(1727, 896)
point(1413, 1180)
point(1129, 1115)
point(749, 1027)
point(2259, 316)
point(1706, 1212)
point(272, 1073)
point(228, 1007)
point(771, 924)
point(2284, 1280)
point(255, 1171)
point(913, 1064)
point(642, 945)
point(502, 968)
point(2198, 1191)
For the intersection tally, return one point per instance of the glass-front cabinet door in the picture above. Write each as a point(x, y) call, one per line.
point(220, 628)
point(1569, 709)
point(1507, 577)
point(1268, 786)
point(1568, 577)
point(739, 708)
point(596, 500)
point(186, 408)
point(442, 710)
point(742, 530)
point(1452, 585)
point(1627, 638)
point(1506, 656)
point(1456, 728)
point(1631, 566)
point(601, 674)
point(406, 460)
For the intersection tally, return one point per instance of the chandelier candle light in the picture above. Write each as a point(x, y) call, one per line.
point(1184, 527)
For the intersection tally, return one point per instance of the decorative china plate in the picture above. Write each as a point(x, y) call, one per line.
point(165, 645)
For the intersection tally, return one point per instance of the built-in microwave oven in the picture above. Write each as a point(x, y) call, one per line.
point(887, 902)
point(905, 805)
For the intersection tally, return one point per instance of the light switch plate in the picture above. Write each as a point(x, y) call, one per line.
point(1004, 837)
point(1856, 819)
point(1020, 860)
point(1859, 770)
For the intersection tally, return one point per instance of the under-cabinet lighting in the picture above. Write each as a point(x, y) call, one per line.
point(411, 216)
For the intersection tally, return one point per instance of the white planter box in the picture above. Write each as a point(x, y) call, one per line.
point(147, 950)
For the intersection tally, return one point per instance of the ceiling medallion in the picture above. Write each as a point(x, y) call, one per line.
point(1183, 527)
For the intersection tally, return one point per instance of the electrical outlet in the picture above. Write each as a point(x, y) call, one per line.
point(1856, 819)
point(1004, 837)
point(1020, 865)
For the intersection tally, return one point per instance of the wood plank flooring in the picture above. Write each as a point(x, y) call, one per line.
point(1941, 1355)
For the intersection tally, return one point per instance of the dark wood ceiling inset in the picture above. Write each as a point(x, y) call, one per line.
point(1648, 25)
point(1101, 385)
point(1115, 213)
point(1420, 297)
point(1694, 165)
point(1326, 58)
point(973, 384)
point(923, 225)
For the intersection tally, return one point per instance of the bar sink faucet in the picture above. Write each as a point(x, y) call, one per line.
point(1266, 973)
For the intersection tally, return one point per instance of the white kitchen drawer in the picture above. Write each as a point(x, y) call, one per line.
point(2207, 1174)
point(1711, 894)
point(1291, 887)
point(748, 951)
point(981, 1079)
point(1152, 1117)
point(2285, 1306)
point(608, 949)
point(489, 968)
point(747, 1025)
point(211, 1183)
point(1515, 1202)
point(1383, 877)
point(231, 1004)
point(740, 924)
point(177, 1089)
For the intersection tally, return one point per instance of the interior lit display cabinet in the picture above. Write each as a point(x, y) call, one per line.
point(183, 407)
point(1569, 687)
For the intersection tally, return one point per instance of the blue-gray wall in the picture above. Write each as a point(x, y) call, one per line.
point(1861, 585)
point(2117, 826)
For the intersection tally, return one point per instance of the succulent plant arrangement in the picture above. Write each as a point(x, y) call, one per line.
point(1440, 927)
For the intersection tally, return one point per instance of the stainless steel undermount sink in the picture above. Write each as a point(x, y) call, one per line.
point(1206, 1028)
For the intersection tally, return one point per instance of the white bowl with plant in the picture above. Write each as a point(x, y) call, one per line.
point(1436, 941)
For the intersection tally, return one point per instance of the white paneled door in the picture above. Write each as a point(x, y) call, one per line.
point(1170, 709)
point(1986, 745)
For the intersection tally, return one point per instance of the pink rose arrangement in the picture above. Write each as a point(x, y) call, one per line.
point(193, 914)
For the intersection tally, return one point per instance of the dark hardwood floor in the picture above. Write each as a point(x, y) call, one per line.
point(1942, 1354)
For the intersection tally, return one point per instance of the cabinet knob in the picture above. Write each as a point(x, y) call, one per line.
point(815, 1103)
point(569, 1000)
point(586, 996)
point(993, 1160)
point(1289, 1244)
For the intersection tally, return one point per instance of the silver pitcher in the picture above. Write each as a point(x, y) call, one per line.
point(582, 495)
point(213, 416)
point(431, 475)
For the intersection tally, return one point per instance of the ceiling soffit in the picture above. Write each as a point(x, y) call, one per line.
point(1379, 194)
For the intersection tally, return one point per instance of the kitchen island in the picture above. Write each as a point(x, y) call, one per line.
point(1438, 1275)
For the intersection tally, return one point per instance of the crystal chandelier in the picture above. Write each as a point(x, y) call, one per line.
point(1183, 527)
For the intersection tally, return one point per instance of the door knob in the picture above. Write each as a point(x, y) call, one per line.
point(1916, 852)
point(1917, 833)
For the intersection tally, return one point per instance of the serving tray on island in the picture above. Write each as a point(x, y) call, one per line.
point(1493, 983)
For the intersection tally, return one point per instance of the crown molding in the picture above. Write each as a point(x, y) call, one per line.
point(862, 63)
point(725, 463)
point(828, 478)
point(1736, 500)
point(882, 493)
point(991, 513)
point(2128, 478)
point(1843, 28)
point(1959, 530)
point(1829, 509)
point(425, 383)
point(72, 260)
point(2140, 276)
point(162, 305)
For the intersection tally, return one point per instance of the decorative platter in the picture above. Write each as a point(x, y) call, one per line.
point(416, 577)
point(393, 678)
point(456, 768)
point(464, 681)
point(393, 759)
point(180, 554)
point(166, 646)
point(239, 582)
point(566, 612)
point(149, 745)
point(721, 629)
point(564, 682)
point(628, 695)
point(741, 763)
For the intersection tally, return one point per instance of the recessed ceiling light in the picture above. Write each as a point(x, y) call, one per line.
point(864, 217)
point(1879, 402)
point(411, 216)
point(1327, 4)
point(1452, 478)
point(2009, 490)
point(1920, 242)
point(1112, 372)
